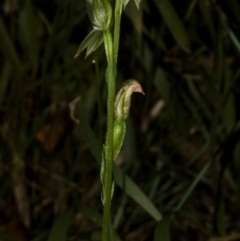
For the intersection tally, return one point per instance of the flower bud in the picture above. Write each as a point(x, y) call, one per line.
point(123, 99)
point(122, 105)
point(100, 13)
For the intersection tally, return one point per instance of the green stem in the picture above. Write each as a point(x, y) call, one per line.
point(110, 77)
point(111, 49)
point(117, 22)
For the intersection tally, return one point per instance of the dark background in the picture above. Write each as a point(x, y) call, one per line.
point(182, 145)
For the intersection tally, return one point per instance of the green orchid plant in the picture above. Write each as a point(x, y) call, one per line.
point(106, 29)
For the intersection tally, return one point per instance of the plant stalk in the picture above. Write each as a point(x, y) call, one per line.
point(110, 77)
point(111, 49)
point(117, 23)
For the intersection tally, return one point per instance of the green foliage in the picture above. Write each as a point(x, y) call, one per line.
point(91, 42)
point(60, 227)
point(177, 170)
point(162, 229)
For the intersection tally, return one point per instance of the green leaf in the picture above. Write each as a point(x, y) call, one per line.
point(7, 47)
point(209, 19)
point(93, 40)
point(60, 227)
point(121, 179)
point(93, 142)
point(194, 183)
point(135, 193)
point(162, 229)
point(5, 77)
point(91, 213)
point(191, 8)
point(220, 217)
point(137, 2)
point(125, 2)
point(229, 108)
point(232, 35)
point(135, 15)
point(162, 84)
point(90, 11)
point(174, 23)
point(28, 26)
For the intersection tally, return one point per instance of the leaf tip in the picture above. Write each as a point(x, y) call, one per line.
point(137, 3)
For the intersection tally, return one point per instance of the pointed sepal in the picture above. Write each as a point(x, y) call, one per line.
point(137, 2)
point(93, 40)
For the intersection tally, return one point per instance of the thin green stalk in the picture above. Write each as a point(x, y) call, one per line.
point(117, 22)
point(100, 13)
point(110, 77)
point(111, 49)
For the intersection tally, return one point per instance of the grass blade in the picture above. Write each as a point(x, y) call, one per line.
point(91, 213)
point(7, 47)
point(120, 178)
point(162, 84)
point(232, 35)
point(28, 25)
point(60, 228)
point(174, 23)
point(135, 193)
point(193, 185)
point(162, 230)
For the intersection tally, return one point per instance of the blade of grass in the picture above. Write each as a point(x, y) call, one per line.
point(7, 47)
point(190, 8)
point(135, 15)
point(91, 213)
point(162, 84)
point(174, 23)
point(229, 113)
point(60, 227)
point(5, 77)
point(162, 229)
point(207, 14)
point(220, 221)
point(232, 35)
point(93, 142)
point(120, 178)
point(119, 216)
point(135, 193)
point(28, 25)
point(193, 185)
point(196, 114)
point(195, 93)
